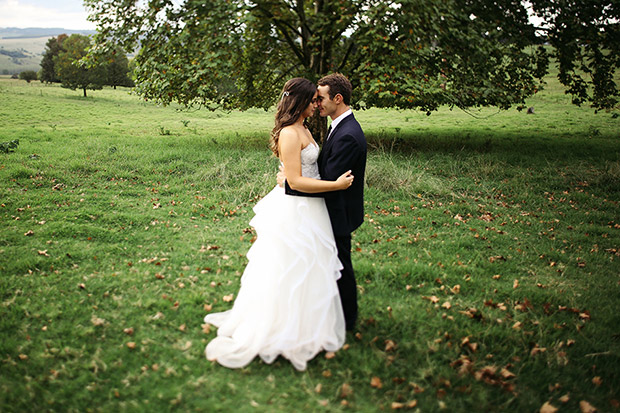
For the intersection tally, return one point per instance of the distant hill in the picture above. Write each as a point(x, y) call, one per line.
point(22, 49)
point(14, 32)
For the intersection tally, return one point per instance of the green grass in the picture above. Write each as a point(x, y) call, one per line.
point(491, 242)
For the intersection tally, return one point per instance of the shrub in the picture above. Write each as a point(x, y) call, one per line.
point(28, 75)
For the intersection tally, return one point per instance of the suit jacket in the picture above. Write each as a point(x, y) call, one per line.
point(344, 150)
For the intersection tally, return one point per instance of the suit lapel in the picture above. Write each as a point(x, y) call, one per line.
point(328, 144)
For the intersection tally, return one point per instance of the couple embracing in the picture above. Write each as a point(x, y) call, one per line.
point(298, 293)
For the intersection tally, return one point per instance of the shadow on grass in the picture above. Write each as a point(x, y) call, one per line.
point(508, 147)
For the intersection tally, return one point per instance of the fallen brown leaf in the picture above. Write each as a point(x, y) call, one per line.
point(548, 408)
point(346, 390)
point(97, 321)
point(506, 374)
point(433, 299)
point(390, 345)
point(586, 407)
point(376, 382)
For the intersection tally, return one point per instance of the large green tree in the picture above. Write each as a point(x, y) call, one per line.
point(408, 54)
point(71, 69)
point(52, 48)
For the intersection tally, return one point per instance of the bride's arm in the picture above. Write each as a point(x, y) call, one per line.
point(290, 155)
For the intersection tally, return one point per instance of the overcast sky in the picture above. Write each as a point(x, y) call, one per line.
point(65, 14)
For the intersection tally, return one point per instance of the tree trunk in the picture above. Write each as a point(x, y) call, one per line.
point(317, 126)
point(84, 92)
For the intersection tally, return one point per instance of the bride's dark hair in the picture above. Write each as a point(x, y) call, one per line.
point(295, 98)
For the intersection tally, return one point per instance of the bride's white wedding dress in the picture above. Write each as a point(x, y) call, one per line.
point(288, 303)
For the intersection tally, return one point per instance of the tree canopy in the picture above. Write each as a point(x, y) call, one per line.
point(585, 35)
point(28, 75)
point(52, 48)
point(415, 54)
point(64, 60)
point(72, 72)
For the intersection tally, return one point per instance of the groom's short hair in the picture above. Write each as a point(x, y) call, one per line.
point(338, 84)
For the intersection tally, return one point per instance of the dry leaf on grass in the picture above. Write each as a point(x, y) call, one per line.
point(537, 350)
point(346, 390)
point(376, 382)
point(433, 299)
point(97, 321)
point(586, 407)
point(390, 345)
point(548, 408)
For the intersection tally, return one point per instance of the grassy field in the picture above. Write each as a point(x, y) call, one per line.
point(488, 265)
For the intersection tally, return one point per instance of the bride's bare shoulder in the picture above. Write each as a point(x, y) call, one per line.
point(290, 135)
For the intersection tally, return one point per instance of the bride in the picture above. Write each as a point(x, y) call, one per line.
point(288, 303)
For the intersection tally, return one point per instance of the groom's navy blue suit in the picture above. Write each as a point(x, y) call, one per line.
point(344, 150)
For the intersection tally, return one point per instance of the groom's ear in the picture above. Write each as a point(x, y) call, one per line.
point(338, 98)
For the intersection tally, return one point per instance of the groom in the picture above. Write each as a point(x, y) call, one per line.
point(343, 149)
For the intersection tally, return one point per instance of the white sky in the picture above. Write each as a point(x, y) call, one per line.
point(65, 14)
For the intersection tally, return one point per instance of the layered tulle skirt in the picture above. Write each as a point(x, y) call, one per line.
point(288, 303)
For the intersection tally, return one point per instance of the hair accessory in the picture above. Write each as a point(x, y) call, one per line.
point(285, 94)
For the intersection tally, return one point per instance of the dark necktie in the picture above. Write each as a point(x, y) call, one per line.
point(328, 132)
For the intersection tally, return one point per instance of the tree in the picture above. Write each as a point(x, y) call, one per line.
point(28, 75)
point(117, 66)
point(52, 48)
point(415, 54)
point(71, 69)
